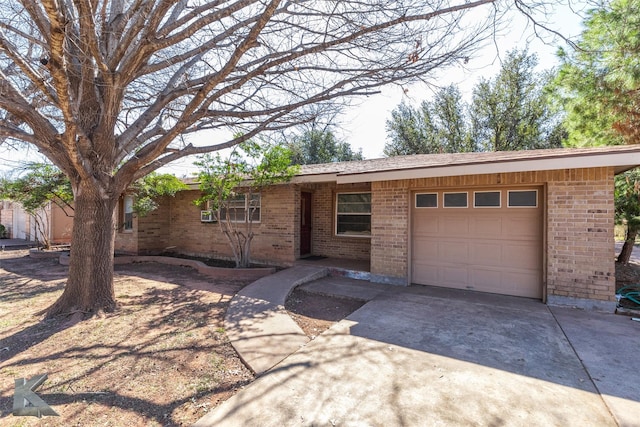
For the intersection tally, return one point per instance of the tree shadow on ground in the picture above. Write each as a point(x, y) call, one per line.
point(160, 357)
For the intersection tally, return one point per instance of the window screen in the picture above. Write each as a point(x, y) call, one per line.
point(353, 214)
point(236, 208)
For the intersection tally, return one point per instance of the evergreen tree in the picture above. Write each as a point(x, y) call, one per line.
point(509, 112)
point(317, 146)
point(599, 87)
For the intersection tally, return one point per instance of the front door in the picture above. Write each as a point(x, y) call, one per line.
point(305, 224)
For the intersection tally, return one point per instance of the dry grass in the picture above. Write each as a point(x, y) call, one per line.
point(161, 360)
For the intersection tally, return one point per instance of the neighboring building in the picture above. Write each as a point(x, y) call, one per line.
point(55, 224)
point(535, 224)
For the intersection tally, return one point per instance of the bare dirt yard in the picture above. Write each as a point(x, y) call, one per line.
point(162, 359)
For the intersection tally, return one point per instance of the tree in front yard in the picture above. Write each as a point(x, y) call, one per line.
point(599, 87)
point(149, 188)
point(231, 189)
point(627, 200)
point(111, 90)
point(44, 183)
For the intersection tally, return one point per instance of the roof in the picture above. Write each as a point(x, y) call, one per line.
point(622, 158)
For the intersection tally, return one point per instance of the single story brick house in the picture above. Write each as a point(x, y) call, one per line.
point(535, 224)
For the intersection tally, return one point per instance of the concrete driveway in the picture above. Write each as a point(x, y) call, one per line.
point(424, 356)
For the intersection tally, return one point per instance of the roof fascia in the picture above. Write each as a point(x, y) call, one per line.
point(624, 160)
point(310, 179)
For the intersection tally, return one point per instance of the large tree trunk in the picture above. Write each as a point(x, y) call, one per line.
point(627, 248)
point(89, 289)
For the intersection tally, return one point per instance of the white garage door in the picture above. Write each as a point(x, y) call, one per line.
point(487, 240)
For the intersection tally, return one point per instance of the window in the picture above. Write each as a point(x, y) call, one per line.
point(427, 200)
point(238, 207)
point(523, 199)
point(486, 199)
point(455, 200)
point(353, 214)
point(127, 213)
point(208, 214)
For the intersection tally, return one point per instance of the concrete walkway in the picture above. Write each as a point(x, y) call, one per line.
point(429, 356)
point(10, 244)
point(257, 323)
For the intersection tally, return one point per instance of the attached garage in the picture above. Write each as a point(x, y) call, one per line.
point(485, 239)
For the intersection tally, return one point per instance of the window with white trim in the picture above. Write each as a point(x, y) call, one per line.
point(426, 200)
point(238, 206)
point(486, 199)
point(353, 214)
point(522, 198)
point(127, 213)
point(455, 200)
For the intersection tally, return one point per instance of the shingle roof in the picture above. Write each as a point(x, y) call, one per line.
point(622, 157)
point(542, 159)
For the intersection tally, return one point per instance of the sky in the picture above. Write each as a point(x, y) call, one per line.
point(364, 127)
point(363, 124)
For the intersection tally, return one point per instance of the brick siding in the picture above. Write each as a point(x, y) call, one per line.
point(176, 226)
point(389, 229)
point(579, 218)
point(580, 241)
point(324, 241)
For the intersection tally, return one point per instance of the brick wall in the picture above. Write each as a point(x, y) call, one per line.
point(274, 235)
point(579, 215)
point(324, 241)
point(153, 230)
point(389, 229)
point(580, 242)
point(579, 218)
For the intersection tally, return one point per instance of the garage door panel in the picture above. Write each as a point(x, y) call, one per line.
point(453, 251)
point(454, 225)
point(490, 227)
point(425, 224)
point(428, 247)
point(496, 250)
point(519, 283)
point(454, 276)
point(518, 255)
point(524, 226)
point(428, 273)
point(484, 278)
point(487, 253)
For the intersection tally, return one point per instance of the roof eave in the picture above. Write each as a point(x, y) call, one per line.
point(310, 179)
point(620, 161)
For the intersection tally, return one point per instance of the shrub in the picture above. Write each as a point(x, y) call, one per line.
point(3, 232)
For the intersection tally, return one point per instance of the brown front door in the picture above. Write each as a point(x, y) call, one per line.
point(305, 224)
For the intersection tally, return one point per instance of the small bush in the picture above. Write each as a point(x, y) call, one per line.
point(3, 232)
